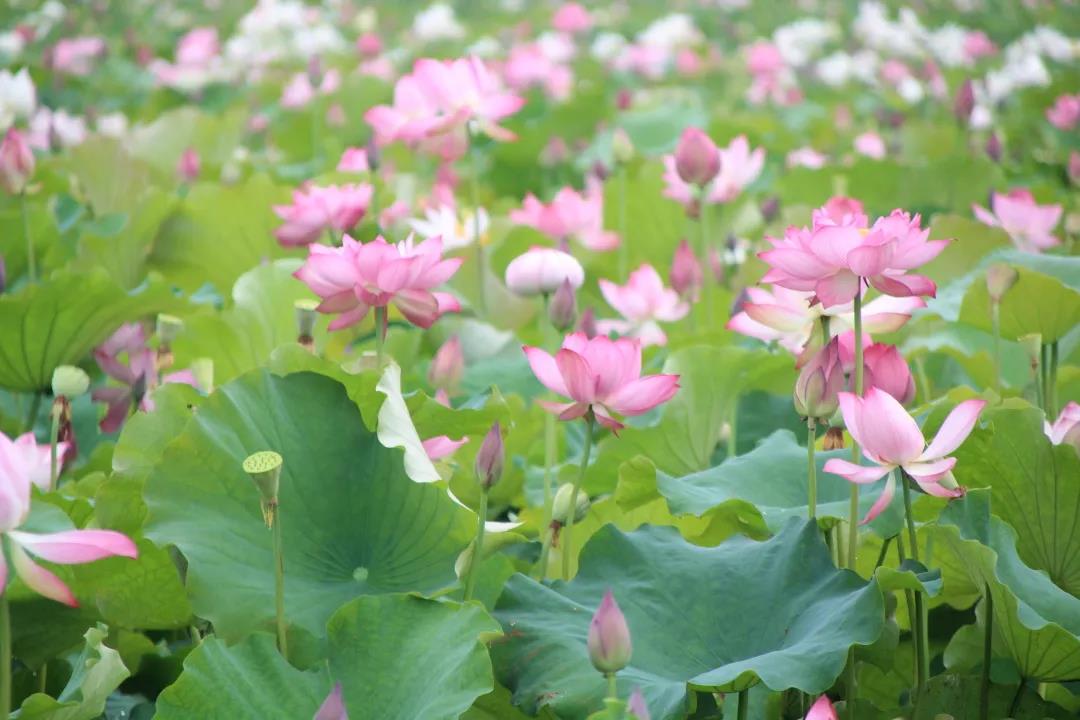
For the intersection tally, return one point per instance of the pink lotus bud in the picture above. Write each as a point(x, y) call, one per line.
point(16, 162)
point(624, 99)
point(697, 159)
point(188, 167)
point(540, 271)
point(819, 383)
point(993, 147)
point(1074, 167)
point(368, 45)
point(685, 275)
point(587, 324)
point(886, 369)
point(822, 709)
point(770, 208)
point(964, 102)
point(562, 312)
point(489, 459)
point(609, 637)
point(999, 278)
point(448, 365)
point(637, 707)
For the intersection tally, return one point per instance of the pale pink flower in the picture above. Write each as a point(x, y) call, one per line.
point(198, 47)
point(572, 18)
point(822, 709)
point(314, 210)
point(608, 640)
point(76, 56)
point(870, 144)
point(1064, 114)
point(599, 375)
point(570, 215)
point(686, 275)
point(20, 468)
point(891, 439)
point(642, 302)
point(447, 366)
point(1066, 429)
point(333, 707)
point(299, 92)
point(187, 168)
point(883, 366)
point(16, 162)
point(354, 160)
point(531, 65)
point(806, 157)
point(34, 459)
point(1029, 224)
point(978, 45)
point(356, 277)
point(738, 168)
point(542, 270)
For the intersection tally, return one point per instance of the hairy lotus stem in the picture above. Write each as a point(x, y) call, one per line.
point(612, 686)
point(474, 188)
point(265, 469)
point(478, 547)
point(549, 425)
point(567, 546)
point(853, 508)
point(988, 636)
point(624, 246)
point(31, 261)
point(1051, 382)
point(919, 629)
point(707, 279)
point(811, 468)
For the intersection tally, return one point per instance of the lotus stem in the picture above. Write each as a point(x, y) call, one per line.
point(1015, 704)
point(733, 428)
point(380, 335)
point(1051, 382)
point(707, 280)
point(1044, 375)
point(744, 705)
point(478, 547)
point(568, 530)
point(919, 629)
point(54, 437)
point(995, 324)
point(474, 189)
point(31, 261)
point(279, 581)
point(624, 247)
point(545, 551)
point(612, 686)
point(853, 514)
point(5, 656)
point(988, 636)
point(811, 468)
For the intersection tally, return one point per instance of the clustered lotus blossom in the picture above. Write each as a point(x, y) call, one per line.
point(1029, 225)
point(571, 215)
point(316, 210)
point(642, 302)
point(353, 278)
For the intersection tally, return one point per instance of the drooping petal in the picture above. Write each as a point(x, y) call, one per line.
point(925, 473)
point(957, 426)
point(545, 370)
point(38, 579)
point(641, 395)
point(607, 420)
point(860, 474)
point(71, 547)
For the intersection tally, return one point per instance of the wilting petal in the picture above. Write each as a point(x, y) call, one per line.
point(641, 395)
point(545, 370)
point(71, 547)
point(957, 426)
point(38, 579)
point(860, 474)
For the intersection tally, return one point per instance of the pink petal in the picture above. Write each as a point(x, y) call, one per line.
point(71, 547)
point(888, 432)
point(868, 260)
point(641, 395)
point(333, 707)
point(545, 370)
point(883, 500)
point(441, 446)
point(904, 285)
point(606, 420)
point(928, 473)
point(957, 426)
point(837, 289)
point(418, 306)
point(578, 375)
point(860, 474)
point(565, 411)
point(779, 317)
point(3, 571)
point(39, 579)
point(349, 318)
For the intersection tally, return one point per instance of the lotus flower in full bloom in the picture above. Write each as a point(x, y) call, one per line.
point(891, 439)
point(356, 277)
point(739, 166)
point(833, 259)
point(456, 231)
point(642, 301)
point(570, 215)
point(600, 375)
point(19, 470)
point(314, 210)
point(1029, 224)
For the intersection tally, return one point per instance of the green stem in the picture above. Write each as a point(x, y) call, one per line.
point(478, 548)
point(612, 686)
point(546, 332)
point(707, 280)
point(567, 531)
point(1015, 704)
point(882, 554)
point(545, 553)
point(279, 582)
point(811, 468)
point(853, 510)
point(733, 427)
point(1051, 382)
point(380, 335)
point(1044, 375)
point(5, 656)
point(32, 415)
point(995, 324)
point(1036, 374)
point(919, 629)
point(43, 678)
point(54, 436)
point(744, 705)
point(474, 187)
point(31, 261)
point(624, 247)
point(988, 636)
point(909, 518)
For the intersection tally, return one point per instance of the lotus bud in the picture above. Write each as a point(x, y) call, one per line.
point(306, 315)
point(822, 709)
point(541, 270)
point(624, 99)
point(964, 102)
point(448, 365)
point(1074, 167)
point(560, 506)
point(1032, 345)
point(264, 467)
point(16, 162)
point(188, 166)
point(999, 278)
point(609, 637)
point(637, 707)
point(489, 459)
point(770, 208)
point(562, 311)
point(203, 370)
point(697, 159)
point(587, 324)
point(834, 439)
point(885, 368)
point(993, 147)
point(685, 275)
point(622, 147)
point(69, 381)
point(819, 384)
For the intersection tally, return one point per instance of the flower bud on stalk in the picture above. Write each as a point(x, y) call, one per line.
point(822, 709)
point(489, 459)
point(16, 162)
point(686, 275)
point(819, 384)
point(609, 637)
point(562, 311)
point(999, 278)
point(168, 327)
point(587, 323)
point(697, 159)
point(188, 166)
point(264, 467)
point(964, 102)
point(560, 507)
point(993, 147)
point(68, 382)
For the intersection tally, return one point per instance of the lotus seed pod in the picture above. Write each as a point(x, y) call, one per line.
point(1032, 345)
point(305, 317)
point(69, 381)
point(203, 370)
point(168, 327)
point(264, 467)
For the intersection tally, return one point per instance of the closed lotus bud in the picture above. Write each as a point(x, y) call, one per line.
point(622, 148)
point(69, 381)
point(822, 709)
point(624, 99)
point(999, 278)
point(819, 384)
point(686, 275)
point(16, 162)
point(264, 467)
point(562, 311)
point(637, 707)
point(448, 365)
point(609, 637)
point(489, 459)
point(697, 159)
point(188, 166)
point(540, 271)
point(587, 324)
point(1032, 345)
point(770, 208)
point(560, 506)
point(993, 147)
point(964, 102)
point(834, 439)
point(886, 369)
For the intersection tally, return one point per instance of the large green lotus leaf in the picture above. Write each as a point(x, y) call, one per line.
point(123, 254)
point(213, 136)
point(247, 680)
point(111, 178)
point(353, 522)
point(261, 318)
point(958, 696)
point(60, 320)
point(1037, 303)
point(753, 494)
point(712, 619)
point(97, 672)
point(654, 223)
point(970, 241)
point(1035, 487)
point(404, 657)
point(218, 233)
point(1036, 623)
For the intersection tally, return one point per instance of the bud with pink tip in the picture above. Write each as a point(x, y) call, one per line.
point(489, 459)
point(540, 271)
point(189, 165)
point(686, 275)
point(697, 159)
point(609, 637)
point(448, 365)
point(16, 162)
point(822, 709)
point(587, 324)
point(964, 102)
point(819, 383)
point(637, 707)
point(562, 312)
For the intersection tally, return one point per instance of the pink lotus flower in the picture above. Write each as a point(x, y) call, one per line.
point(354, 160)
point(314, 210)
point(198, 47)
point(977, 44)
point(1066, 429)
point(789, 318)
point(333, 707)
point(19, 470)
point(356, 277)
point(822, 709)
point(1065, 112)
point(439, 95)
point(883, 367)
point(447, 366)
point(806, 157)
point(834, 260)
point(541, 271)
point(16, 162)
point(541, 65)
point(609, 637)
point(187, 168)
point(572, 18)
point(890, 438)
point(1028, 224)
point(871, 145)
point(642, 302)
point(197, 61)
point(686, 275)
point(601, 376)
point(34, 460)
point(139, 375)
point(570, 214)
point(300, 91)
point(697, 159)
point(738, 168)
point(76, 56)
